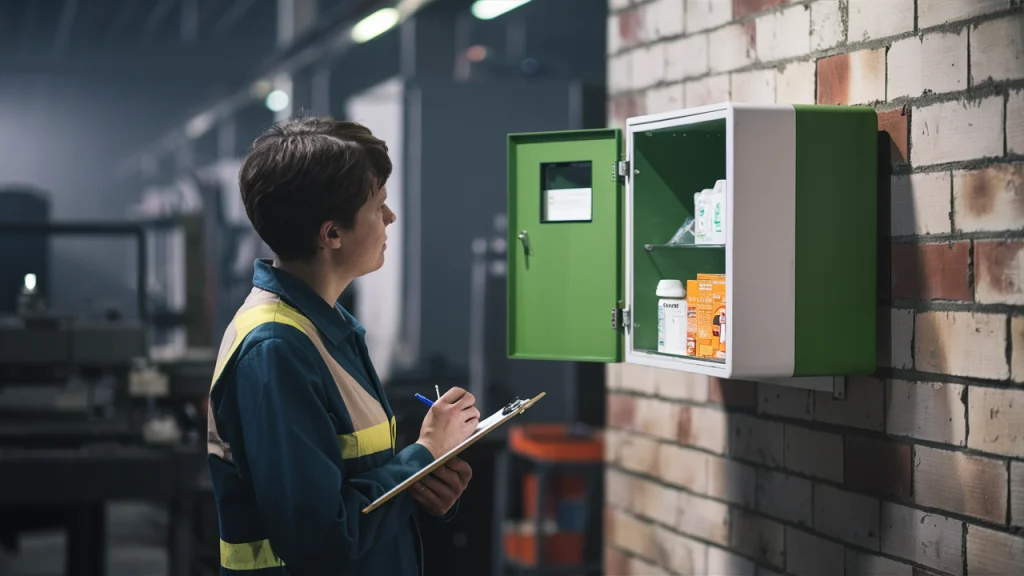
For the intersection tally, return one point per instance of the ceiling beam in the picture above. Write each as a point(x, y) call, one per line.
point(189, 22)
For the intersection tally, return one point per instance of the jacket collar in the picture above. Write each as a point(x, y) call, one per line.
point(334, 322)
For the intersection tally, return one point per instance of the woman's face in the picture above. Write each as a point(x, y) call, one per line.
point(362, 247)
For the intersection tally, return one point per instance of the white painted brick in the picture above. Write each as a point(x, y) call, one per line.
point(726, 563)
point(795, 83)
point(612, 35)
point(996, 418)
point(731, 481)
point(641, 567)
point(678, 385)
point(657, 417)
point(936, 63)
point(613, 376)
point(927, 411)
point(988, 199)
point(870, 19)
point(850, 517)
point(817, 454)
point(755, 440)
point(1017, 361)
point(954, 131)
point(957, 482)
point(612, 444)
point(855, 78)
point(619, 488)
point(758, 537)
point(632, 534)
point(663, 18)
point(683, 467)
point(922, 537)
point(863, 407)
point(827, 28)
point(997, 49)
point(709, 429)
point(808, 555)
point(858, 564)
point(961, 344)
point(901, 345)
point(703, 518)
point(785, 401)
point(638, 453)
point(784, 497)
point(711, 90)
point(648, 66)
point(755, 87)
point(921, 204)
point(1017, 493)
point(939, 12)
point(615, 5)
point(704, 14)
point(638, 378)
point(732, 48)
point(784, 34)
point(686, 57)
point(679, 554)
point(656, 502)
point(620, 73)
point(1015, 123)
point(991, 552)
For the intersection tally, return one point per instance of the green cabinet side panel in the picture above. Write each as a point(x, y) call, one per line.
point(561, 295)
point(836, 240)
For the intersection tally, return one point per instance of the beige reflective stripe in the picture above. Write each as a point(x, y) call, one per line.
point(368, 441)
point(248, 556)
point(248, 320)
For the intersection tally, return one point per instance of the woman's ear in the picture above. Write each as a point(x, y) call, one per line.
point(330, 235)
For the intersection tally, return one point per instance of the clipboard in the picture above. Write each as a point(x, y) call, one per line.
point(492, 422)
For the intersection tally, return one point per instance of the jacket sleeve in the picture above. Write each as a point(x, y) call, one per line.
point(311, 510)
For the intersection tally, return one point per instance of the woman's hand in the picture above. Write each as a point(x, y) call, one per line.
point(451, 419)
point(439, 491)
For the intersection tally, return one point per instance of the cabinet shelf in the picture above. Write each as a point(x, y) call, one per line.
point(653, 247)
point(682, 356)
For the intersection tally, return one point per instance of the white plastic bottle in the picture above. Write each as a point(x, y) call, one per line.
point(671, 317)
point(715, 201)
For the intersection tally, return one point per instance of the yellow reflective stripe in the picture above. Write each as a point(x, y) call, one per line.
point(248, 556)
point(247, 321)
point(368, 441)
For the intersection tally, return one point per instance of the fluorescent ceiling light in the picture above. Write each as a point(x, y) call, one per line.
point(375, 24)
point(488, 9)
point(277, 100)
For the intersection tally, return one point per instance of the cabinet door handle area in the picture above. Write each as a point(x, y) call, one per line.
point(524, 237)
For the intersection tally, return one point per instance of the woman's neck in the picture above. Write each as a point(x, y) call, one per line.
point(319, 275)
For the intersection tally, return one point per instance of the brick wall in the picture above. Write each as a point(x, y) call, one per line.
point(920, 470)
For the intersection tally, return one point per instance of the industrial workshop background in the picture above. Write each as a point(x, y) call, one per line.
point(125, 250)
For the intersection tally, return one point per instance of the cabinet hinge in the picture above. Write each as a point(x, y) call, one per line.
point(623, 168)
point(620, 319)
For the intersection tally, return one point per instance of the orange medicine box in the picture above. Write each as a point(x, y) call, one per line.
point(704, 310)
point(716, 315)
point(691, 318)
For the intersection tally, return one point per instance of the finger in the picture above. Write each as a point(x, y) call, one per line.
point(439, 488)
point(453, 395)
point(466, 402)
point(450, 478)
point(426, 497)
point(461, 469)
point(472, 414)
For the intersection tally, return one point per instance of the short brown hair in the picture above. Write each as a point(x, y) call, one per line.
point(302, 172)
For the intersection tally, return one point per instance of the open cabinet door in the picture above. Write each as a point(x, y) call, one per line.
point(565, 246)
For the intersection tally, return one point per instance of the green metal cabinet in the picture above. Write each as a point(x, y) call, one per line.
point(590, 217)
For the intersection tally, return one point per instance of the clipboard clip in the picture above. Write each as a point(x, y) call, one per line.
point(512, 407)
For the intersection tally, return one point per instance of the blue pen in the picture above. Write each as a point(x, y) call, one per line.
point(424, 399)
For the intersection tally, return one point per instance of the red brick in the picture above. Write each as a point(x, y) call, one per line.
point(895, 125)
point(855, 78)
point(615, 562)
point(735, 394)
point(684, 424)
point(741, 8)
point(621, 411)
point(989, 199)
point(999, 271)
point(878, 467)
point(931, 271)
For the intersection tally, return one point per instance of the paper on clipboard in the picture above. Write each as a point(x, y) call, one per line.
point(483, 428)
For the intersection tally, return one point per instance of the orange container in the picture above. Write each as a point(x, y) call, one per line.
point(560, 548)
point(553, 442)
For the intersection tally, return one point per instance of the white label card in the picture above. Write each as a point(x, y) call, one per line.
point(568, 205)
